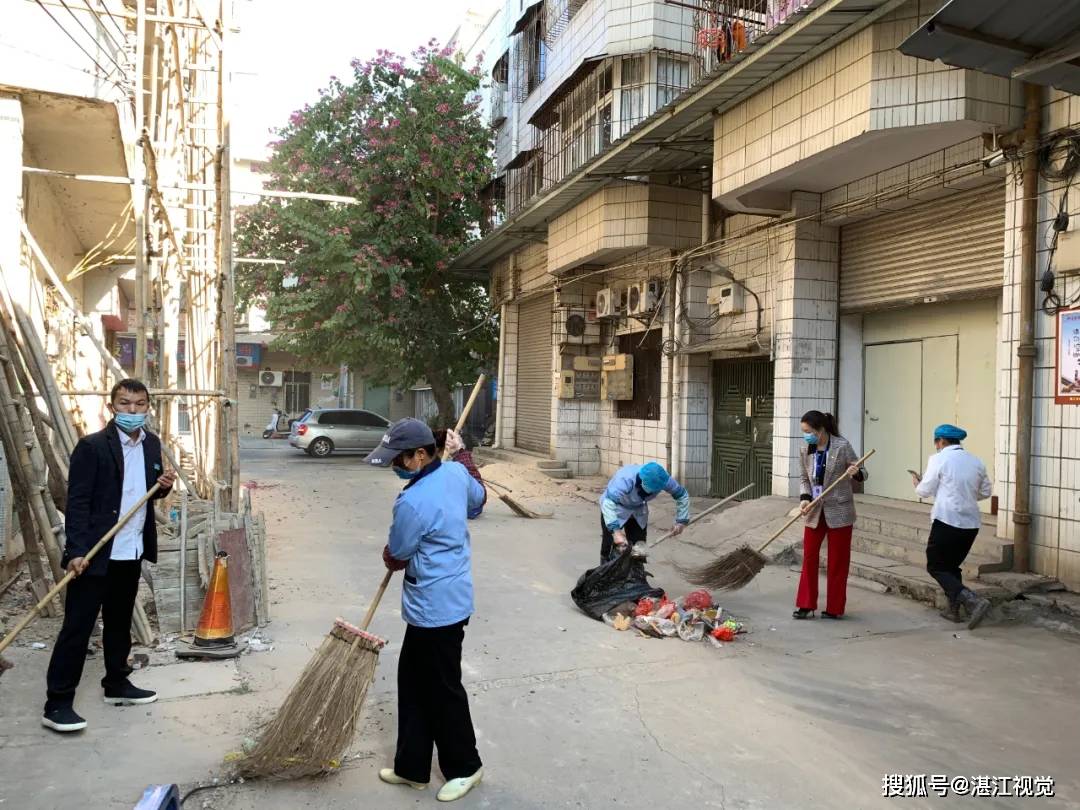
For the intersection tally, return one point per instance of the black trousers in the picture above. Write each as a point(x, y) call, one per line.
point(113, 595)
point(946, 551)
point(634, 534)
point(433, 707)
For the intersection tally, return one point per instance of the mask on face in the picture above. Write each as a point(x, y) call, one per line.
point(405, 475)
point(810, 438)
point(130, 421)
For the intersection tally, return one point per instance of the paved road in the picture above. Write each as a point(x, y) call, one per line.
point(570, 713)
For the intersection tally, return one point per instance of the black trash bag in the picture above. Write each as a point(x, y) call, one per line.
point(622, 578)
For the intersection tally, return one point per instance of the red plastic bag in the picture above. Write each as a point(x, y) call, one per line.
point(723, 634)
point(698, 600)
point(644, 607)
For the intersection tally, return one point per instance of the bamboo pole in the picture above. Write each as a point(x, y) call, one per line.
point(139, 194)
point(16, 447)
point(111, 362)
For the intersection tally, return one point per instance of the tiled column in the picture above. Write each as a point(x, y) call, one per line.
point(694, 440)
point(507, 390)
point(806, 330)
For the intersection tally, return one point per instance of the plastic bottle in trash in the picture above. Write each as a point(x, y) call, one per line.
point(174, 514)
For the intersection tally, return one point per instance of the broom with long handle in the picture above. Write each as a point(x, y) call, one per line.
point(737, 568)
point(63, 583)
point(709, 511)
point(317, 721)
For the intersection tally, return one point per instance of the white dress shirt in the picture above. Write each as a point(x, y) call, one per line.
point(128, 543)
point(957, 481)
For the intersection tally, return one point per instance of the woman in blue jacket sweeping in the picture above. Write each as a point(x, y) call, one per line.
point(429, 540)
point(624, 508)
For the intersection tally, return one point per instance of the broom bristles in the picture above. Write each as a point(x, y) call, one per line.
point(317, 721)
point(732, 571)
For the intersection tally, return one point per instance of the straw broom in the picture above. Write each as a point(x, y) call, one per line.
point(317, 721)
point(63, 583)
point(737, 568)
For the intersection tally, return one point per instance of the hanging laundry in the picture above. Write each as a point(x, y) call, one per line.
point(738, 35)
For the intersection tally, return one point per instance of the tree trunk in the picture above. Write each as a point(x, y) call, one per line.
point(444, 398)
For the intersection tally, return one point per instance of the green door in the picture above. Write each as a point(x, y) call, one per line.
point(377, 400)
point(742, 427)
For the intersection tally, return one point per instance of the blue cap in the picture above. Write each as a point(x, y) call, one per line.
point(405, 434)
point(653, 477)
point(950, 432)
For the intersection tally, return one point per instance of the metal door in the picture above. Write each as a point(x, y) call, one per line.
point(377, 399)
point(742, 427)
point(892, 421)
point(534, 383)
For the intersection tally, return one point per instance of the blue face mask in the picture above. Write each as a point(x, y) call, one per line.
point(810, 438)
point(405, 475)
point(130, 422)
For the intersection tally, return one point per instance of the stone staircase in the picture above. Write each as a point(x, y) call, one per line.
point(888, 546)
point(555, 469)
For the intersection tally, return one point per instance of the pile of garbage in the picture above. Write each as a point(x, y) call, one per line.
point(695, 617)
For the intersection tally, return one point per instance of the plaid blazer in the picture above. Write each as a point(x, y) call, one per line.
point(839, 505)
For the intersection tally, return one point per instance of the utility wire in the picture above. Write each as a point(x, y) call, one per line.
point(90, 34)
point(106, 74)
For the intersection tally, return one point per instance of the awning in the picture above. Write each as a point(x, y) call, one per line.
point(525, 18)
point(743, 344)
point(566, 85)
point(1037, 41)
point(521, 158)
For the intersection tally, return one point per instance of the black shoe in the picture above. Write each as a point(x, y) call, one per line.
point(803, 613)
point(952, 613)
point(977, 607)
point(826, 615)
point(128, 695)
point(63, 719)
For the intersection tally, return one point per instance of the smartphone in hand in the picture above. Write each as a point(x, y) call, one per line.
point(915, 475)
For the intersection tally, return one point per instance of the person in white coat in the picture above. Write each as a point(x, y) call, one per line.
point(957, 481)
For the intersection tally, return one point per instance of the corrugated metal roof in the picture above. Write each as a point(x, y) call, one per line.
point(659, 143)
point(1001, 37)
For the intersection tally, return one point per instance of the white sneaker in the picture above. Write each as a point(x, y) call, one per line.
point(456, 788)
point(391, 778)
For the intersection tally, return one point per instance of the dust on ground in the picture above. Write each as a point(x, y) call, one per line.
point(529, 484)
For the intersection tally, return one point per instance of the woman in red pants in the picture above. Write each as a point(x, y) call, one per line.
point(826, 457)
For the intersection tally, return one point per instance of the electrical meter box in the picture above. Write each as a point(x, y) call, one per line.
point(617, 377)
point(727, 298)
point(579, 385)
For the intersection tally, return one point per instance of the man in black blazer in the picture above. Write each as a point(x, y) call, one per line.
point(110, 471)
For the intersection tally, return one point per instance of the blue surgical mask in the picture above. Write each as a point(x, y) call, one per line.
point(810, 438)
point(405, 475)
point(130, 422)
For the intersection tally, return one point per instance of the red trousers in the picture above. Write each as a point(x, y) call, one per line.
point(836, 573)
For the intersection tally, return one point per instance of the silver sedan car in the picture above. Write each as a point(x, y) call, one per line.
point(323, 430)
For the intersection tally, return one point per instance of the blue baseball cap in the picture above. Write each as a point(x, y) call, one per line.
point(405, 434)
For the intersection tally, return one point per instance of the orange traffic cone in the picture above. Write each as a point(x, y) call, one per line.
point(215, 628)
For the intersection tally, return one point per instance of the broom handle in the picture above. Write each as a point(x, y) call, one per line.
point(378, 598)
point(711, 509)
point(465, 411)
point(816, 501)
point(59, 586)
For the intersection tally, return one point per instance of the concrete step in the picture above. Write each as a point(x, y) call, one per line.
point(905, 579)
point(900, 531)
point(551, 464)
point(560, 474)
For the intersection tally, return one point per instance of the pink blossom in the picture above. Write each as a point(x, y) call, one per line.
point(397, 291)
point(443, 108)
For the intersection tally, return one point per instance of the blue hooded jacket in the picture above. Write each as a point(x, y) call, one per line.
point(430, 531)
point(623, 499)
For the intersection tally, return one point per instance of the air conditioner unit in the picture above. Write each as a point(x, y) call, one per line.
point(606, 303)
point(643, 298)
point(245, 362)
point(271, 379)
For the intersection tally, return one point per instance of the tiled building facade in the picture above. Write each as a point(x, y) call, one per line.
point(833, 236)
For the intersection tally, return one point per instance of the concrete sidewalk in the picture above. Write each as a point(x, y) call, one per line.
point(570, 713)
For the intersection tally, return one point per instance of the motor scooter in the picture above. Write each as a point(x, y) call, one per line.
point(279, 427)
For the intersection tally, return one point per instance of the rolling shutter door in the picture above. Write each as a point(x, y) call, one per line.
point(948, 248)
point(534, 382)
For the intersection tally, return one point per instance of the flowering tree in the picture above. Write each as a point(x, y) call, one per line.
point(367, 283)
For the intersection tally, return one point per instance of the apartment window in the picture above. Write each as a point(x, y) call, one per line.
point(647, 363)
point(632, 91)
point(500, 80)
point(672, 77)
